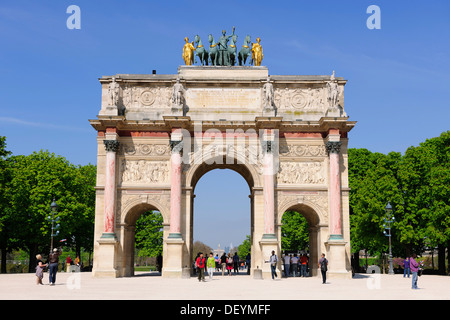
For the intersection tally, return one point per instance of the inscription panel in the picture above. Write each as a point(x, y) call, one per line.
point(223, 98)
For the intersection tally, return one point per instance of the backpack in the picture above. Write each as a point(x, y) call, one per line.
point(323, 265)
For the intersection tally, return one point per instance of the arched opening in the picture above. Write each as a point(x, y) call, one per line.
point(143, 237)
point(222, 213)
point(299, 241)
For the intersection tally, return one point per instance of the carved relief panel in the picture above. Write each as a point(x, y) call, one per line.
point(143, 171)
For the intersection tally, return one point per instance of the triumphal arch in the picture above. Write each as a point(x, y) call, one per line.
point(158, 135)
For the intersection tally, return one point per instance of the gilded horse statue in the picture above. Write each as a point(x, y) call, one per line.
point(200, 51)
point(245, 51)
point(213, 50)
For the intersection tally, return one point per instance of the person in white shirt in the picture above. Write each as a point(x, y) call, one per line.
point(294, 265)
point(273, 260)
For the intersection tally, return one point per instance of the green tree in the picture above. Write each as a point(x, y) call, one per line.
point(426, 187)
point(244, 248)
point(37, 179)
point(294, 231)
point(6, 240)
point(149, 234)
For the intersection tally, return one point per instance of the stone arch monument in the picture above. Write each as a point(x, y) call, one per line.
point(157, 135)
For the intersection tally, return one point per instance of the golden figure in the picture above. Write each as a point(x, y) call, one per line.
point(257, 52)
point(188, 52)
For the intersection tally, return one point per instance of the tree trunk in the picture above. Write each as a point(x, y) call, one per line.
point(3, 267)
point(441, 259)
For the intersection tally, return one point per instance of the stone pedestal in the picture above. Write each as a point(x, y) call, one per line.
point(336, 262)
point(105, 259)
point(173, 261)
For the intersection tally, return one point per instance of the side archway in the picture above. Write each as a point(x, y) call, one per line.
point(132, 211)
point(315, 217)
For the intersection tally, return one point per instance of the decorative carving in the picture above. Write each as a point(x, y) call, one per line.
point(305, 99)
point(333, 91)
point(135, 97)
point(143, 171)
point(301, 173)
point(111, 145)
point(304, 150)
point(148, 97)
point(176, 145)
point(177, 95)
point(268, 95)
point(145, 149)
point(320, 200)
point(113, 93)
point(334, 146)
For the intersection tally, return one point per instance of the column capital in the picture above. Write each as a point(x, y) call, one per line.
point(333, 146)
point(111, 145)
point(267, 146)
point(176, 146)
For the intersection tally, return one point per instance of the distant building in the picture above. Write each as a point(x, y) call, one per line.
point(218, 251)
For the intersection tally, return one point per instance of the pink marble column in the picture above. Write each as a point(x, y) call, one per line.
point(111, 147)
point(268, 190)
point(334, 190)
point(175, 190)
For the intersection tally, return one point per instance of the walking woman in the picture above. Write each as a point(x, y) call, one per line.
point(39, 269)
point(229, 264)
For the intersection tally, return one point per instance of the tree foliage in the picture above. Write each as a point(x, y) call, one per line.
point(294, 231)
point(417, 185)
point(29, 183)
point(149, 234)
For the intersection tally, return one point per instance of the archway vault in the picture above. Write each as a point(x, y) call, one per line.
point(247, 171)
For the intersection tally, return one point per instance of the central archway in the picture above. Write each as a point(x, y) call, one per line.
point(221, 209)
point(196, 172)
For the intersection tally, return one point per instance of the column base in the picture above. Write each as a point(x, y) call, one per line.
point(175, 235)
point(336, 257)
point(105, 256)
point(108, 235)
point(173, 262)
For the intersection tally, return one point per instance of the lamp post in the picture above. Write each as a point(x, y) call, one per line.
point(389, 220)
point(53, 210)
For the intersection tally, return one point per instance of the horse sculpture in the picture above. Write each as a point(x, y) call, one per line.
point(245, 51)
point(213, 50)
point(200, 51)
point(232, 50)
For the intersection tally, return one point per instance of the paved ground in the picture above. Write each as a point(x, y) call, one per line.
point(147, 286)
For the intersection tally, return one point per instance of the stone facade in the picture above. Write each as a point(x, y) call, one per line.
point(159, 134)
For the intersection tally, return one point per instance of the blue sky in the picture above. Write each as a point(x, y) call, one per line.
point(397, 86)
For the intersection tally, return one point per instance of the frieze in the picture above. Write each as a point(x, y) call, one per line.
point(304, 150)
point(141, 149)
point(143, 171)
point(301, 173)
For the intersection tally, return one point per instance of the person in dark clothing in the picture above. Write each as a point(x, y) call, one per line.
point(53, 261)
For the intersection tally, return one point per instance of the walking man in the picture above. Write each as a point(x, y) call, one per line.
point(201, 267)
point(273, 264)
point(211, 264)
point(414, 270)
point(53, 260)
